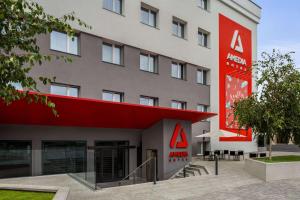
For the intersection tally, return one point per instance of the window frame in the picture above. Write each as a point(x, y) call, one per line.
point(203, 4)
point(68, 87)
point(183, 70)
point(113, 54)
point(113, 7)
point(183, 104)
point(204, 42)
point(67, 43)
point(204, 76)
point(155, 65)
point(179, 23)
point(16, 85)
point(149, 11)
point(113, 93)
point(155, 100)
point(205, 108)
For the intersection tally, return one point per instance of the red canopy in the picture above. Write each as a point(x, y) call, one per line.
point(93, 113)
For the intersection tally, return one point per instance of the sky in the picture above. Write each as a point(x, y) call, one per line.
point(280, 27)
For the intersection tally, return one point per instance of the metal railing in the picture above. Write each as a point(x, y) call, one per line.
point(141, 173)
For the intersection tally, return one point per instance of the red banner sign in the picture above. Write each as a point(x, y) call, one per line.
point(235, 74)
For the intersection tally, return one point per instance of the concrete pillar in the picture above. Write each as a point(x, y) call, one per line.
point(91, 171)
point(36, 157)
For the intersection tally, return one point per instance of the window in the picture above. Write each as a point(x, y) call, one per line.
point(148, 101)
point(203, 4)
point(178, 70)
point(64, 90)
point(113, 5)
point(178, 28)
point(60, 157)
point(17, 86)
point(62, 42)
point(113, 96)
point(148, 16)
point(178, 105)
point(202, 108)
point(201, 76)
point(15, 157)
point(203, 38)
point(148, 63)
point(111, 53)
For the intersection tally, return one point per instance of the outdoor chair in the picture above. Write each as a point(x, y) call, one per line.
point(206, 154)
point(262, 155)
point(217, 152)
point(225, 152)
point(232, 153)
point(241, 153)
point(253, 155)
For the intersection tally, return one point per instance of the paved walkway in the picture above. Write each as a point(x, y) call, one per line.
point(233, 183)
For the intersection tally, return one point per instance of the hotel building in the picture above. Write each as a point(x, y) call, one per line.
point(147, 79)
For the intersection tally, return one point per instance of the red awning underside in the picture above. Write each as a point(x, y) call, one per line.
point(93, 113)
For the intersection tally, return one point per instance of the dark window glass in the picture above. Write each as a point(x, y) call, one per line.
point(59, 157)
point(15, 158)
point(112, 160)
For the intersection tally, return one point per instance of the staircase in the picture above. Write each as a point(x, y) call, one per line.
point(191, 170)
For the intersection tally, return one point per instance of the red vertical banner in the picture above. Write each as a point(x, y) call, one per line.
point(235, 75)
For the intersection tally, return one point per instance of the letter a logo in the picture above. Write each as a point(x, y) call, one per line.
point(236, 42)
point(183, 143)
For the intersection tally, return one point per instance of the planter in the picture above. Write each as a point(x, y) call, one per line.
point(272, 171)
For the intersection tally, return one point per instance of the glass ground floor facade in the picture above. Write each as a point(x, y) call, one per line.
point(15, 158)
point(111, 158)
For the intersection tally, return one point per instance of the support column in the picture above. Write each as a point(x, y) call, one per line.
point(91, 171)
point(36, 157)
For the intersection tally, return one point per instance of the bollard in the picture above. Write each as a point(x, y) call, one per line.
point(184, 172)
point(216, 165)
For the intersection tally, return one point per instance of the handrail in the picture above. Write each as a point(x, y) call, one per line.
point(133, 171)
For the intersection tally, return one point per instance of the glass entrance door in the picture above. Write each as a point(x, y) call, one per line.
point(111, 161)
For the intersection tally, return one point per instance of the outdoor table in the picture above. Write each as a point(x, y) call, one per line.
point(199, 155)
point(236, 156)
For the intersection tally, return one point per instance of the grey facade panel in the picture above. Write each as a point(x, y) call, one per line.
point(93, 76)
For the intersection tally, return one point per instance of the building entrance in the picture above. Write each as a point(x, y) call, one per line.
point(111, 160)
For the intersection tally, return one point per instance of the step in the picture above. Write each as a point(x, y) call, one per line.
point(188, 171)
point(181, 174)
point(196, 169)
point(199, 167)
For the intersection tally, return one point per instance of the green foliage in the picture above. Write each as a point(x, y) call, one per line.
point(21, 195)
point(274, 111)
point(21, 21)
point(276, 159)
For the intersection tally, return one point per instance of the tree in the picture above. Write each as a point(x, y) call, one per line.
point(21, 21)
point(273, 111)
